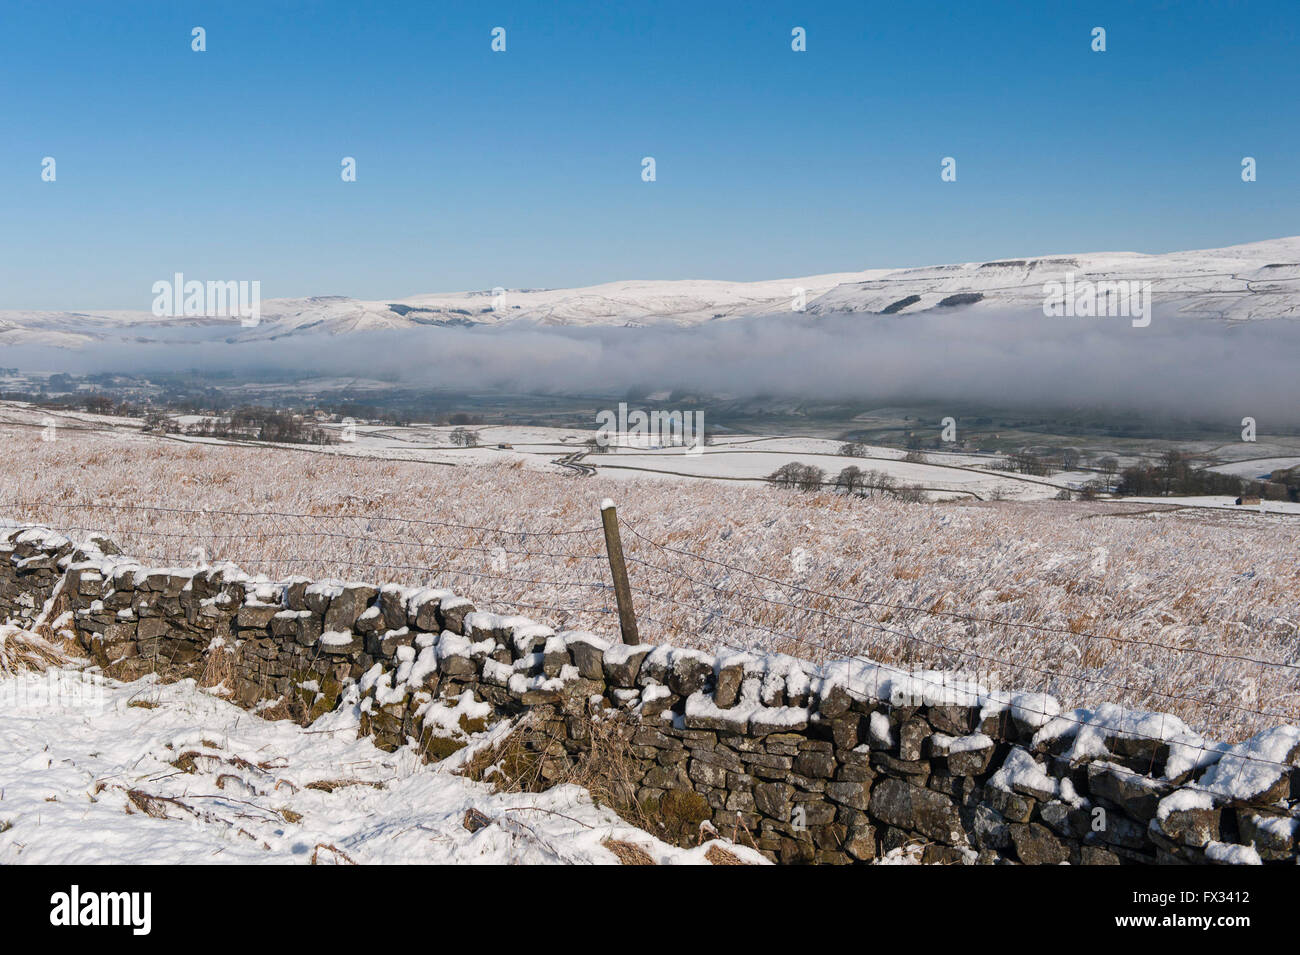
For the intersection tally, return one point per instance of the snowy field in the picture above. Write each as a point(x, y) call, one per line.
point(1192, 611)
point(733, 459)
point(100, 772)
point(1255, 469)
point(1222, 504)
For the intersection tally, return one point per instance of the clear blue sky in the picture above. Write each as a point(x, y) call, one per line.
point(521, 169)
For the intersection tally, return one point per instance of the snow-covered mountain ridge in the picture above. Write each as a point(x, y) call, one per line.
point(1259, 280)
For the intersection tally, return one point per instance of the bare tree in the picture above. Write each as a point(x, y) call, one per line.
point(805, 477)
point(910, 493)
point(1109, 467)
point(879, 482)
point(812, 478)
point(851, 480)
point(787, 475)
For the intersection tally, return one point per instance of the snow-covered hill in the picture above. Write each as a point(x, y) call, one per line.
point(1255, 281)
point(1238, 283)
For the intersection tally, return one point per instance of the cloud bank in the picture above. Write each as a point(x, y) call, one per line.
point(1186, 368)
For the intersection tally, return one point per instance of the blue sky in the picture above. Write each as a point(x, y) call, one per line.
point(523, 169)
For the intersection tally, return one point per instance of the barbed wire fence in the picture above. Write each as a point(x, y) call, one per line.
point(559, 570)
point(503, 570)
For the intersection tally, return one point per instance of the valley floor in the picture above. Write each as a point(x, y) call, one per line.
point(736, 459)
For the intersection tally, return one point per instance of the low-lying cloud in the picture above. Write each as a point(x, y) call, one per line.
point(1186, 368)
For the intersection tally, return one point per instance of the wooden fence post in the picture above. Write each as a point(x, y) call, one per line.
point(618, 570)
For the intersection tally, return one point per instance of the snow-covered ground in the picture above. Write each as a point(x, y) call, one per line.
point(737, 459)
point(1189, 610)
point(1221, 502)
point(1255, 469)
point(744, 458)
point(1259, 280)
point(101, 772)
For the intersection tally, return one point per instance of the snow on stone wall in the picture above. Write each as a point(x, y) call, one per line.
point(833, 763)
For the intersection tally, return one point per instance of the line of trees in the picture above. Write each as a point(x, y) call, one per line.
point(851, 480)
point(1025, 461)
point(464, 438)
point(262, 424)
point(1174, 475)
point(1282, 485)
point(801, 477)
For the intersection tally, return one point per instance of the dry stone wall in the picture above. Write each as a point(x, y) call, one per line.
point(834, 763)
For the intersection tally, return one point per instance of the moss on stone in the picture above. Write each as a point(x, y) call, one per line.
point(472, 726)
point(313, 704)
point(438, 748)
point(683, 810)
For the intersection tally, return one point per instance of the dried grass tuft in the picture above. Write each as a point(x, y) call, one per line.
point(22, 651)
point(218, 668)
point(720, 856)
point(629, 853)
